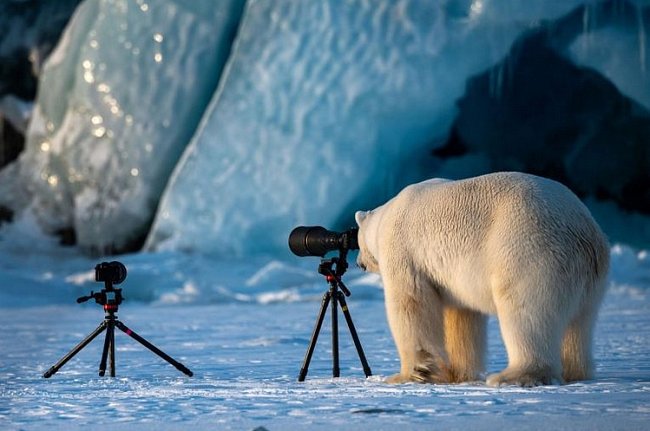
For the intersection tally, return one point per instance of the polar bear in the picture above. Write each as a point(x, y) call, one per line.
point(518, 246)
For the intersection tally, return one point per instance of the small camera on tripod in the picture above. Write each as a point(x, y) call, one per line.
point(110, 298)
point(112, 272)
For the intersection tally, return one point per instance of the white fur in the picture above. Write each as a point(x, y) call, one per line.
point(519, 246)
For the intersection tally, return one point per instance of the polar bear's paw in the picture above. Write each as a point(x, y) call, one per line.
point(397, 379)
point(425, 373)
point(524, 378)
point(418, 376)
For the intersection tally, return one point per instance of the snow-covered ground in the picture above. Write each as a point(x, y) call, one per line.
point(243, 327)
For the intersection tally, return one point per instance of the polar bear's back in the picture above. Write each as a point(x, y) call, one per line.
point(511, 202)
point(496, 227)
point(485, 201)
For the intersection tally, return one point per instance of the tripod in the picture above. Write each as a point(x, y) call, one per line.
point(111, 298)
point(333, 269)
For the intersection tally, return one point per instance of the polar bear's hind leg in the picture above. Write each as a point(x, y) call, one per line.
point(532, 330)
point(577, 361)
point(465, 343)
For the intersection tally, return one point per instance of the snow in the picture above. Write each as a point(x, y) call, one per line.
point(243, 326)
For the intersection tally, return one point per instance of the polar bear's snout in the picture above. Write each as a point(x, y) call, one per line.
point(366, 260)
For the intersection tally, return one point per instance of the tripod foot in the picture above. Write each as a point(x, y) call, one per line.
point(49, 373)
point(355, 336)
point(183, 369)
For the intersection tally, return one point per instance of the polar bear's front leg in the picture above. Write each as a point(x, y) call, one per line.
point(415, 318)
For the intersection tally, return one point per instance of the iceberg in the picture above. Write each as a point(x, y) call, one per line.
point(119, 99)
point(325, 108)
point(217, 128)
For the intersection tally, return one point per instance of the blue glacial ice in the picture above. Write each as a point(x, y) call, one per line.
point(306, 111)
point(119, 99)
point(619, 51)
point(326, 108)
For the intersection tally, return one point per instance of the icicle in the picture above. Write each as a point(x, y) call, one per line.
point(492, 80)
point(496, 79)
point(586, 28)
point(585, 19)
point(642, 38)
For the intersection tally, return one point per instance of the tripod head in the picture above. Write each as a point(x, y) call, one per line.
point(334, 268)
point(109, 297)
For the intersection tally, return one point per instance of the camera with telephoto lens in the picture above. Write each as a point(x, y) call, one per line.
point(113, 272)
point(317, 241)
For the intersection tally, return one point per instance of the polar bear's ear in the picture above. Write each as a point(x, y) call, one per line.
point(359, 216)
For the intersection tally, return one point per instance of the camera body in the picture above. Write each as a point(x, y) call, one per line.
point(111, 272)
point(317, 241)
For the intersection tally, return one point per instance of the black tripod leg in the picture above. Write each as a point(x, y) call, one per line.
point(355, 337)
point(336, 371)
point(108, 342)
point(111, 352)
point(314, 337)
point(75, 350)
point(180, 367)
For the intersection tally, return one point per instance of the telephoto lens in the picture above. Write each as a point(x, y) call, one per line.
point(317, 241)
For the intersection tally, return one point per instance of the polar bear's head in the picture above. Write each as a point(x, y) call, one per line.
point(367, 238)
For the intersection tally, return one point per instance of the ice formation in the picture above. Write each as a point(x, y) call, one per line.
point(322, 108)
point(574, 125)
point(119, 99)
point(327, 107)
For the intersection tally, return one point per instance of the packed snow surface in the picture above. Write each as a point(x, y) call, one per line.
point(243, 326)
